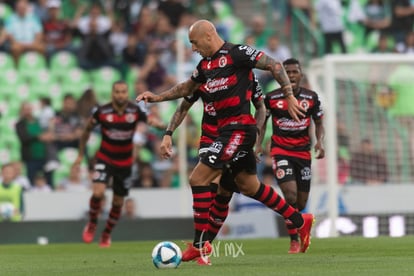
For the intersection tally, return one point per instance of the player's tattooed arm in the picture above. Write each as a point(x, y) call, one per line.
point(178, 91)
point(278, 72)
point(179, 115)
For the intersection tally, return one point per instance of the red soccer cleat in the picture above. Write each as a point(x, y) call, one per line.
point(191, 252)
point(305, 231)
point(105, 240)
point(203, 260)
point(89, 232)
point(294, 247)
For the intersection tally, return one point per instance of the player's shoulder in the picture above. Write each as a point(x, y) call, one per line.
point(104, 108)
point(275, 94)
point(308, 93)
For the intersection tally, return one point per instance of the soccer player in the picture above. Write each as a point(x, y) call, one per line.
point(226, 73)
point(220, 195)
point(118, 120)
point(291, 143)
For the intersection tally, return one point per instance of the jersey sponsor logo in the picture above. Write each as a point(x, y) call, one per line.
point(116, 134)
point(212, 159)
point(209, 109)
point(240, 155)
point(233, 144)
point(280, 173)
point(290, 124)
point(99, 166)
point(306, 173)
point(215, 147)
point(282, 163)
point(214, 85)
point(222, 61)
point(279, 104)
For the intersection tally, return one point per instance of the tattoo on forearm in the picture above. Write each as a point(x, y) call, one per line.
point(180, 90)
point(277, 70)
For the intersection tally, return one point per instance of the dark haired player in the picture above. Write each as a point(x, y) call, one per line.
point(291, 142)
point(118, 120)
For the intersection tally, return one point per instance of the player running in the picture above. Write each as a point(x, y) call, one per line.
point(118, 120)
point(291, 143)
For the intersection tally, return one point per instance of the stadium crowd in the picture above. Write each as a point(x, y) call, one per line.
point(137, 39)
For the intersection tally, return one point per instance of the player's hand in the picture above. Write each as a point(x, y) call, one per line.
point(166, 147)
point(147, 97)
point(258, 152)
point(294, 109)
point(320, 151)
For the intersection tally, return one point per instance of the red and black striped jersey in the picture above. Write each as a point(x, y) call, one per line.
point(227, 79)
point(117, 131)
point(290, 137)
point(209, 129)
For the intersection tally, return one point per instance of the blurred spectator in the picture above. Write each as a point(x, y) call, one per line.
point(11, 195)
point(40, 8)
point(21, 178)
point(46, 116)
point(57, 33)
point(29, 40)
point(368, 166)
point(75, 181)
point(46, 113)
point(408, 46)
point(146, 177)
point(202, 9)
point(259, 31)
point(85, 104)
point(118, 38)
point(383, 45)
point(329, 14)
point(277, 51)
point(173, 10)
point(40, 184)
point(3, 39)
point(32, 140)
point(377, 16)
point(95, 50)
point(133, 54)
point(130, 209)
point(67, 124)
point(402, 19)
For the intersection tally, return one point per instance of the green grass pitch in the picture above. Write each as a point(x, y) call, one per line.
point(338, 256)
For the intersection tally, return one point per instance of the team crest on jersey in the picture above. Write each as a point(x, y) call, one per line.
point(130, 117)
point(304, 104)
point(222, 61)
point(110, 118)
point(280, 173)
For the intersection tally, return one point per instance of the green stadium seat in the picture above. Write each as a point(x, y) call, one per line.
point(76, 81)
point(9, 79)
point(61, 63)
point(5, 11)
point(31, 62)
point(102, 80)
point(41, 82)
point(6, 61)
point(93, 144)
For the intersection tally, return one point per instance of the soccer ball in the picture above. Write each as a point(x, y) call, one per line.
point(166, 254)
point(6, 210)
